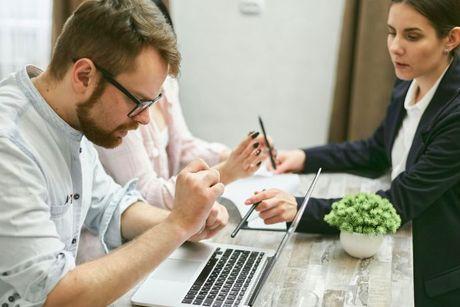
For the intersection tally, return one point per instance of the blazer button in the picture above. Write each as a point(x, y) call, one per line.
point(76, 196)
point(11, 299)
point(5, 305)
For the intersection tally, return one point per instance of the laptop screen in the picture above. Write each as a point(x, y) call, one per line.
point(286, 237)
point(297, 217)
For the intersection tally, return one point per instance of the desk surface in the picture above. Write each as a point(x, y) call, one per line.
point(318, 267)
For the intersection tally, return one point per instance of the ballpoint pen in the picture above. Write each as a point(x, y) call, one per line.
point(268, 143)
point(244, 219)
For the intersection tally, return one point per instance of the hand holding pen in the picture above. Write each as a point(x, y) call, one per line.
point(290, 161)
point(246, 217)
point(244, 160)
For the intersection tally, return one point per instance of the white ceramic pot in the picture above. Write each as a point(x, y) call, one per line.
point(360, 245)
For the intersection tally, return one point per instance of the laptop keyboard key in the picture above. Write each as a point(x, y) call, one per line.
point(224, 279)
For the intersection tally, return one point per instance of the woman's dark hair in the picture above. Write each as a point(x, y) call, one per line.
point(164, 11)
point(444, 15)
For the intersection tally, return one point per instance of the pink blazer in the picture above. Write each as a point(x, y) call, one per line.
point(141, 154)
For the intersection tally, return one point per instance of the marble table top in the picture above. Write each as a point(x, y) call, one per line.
point(314, 270)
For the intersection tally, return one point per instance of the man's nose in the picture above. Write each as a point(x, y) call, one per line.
point(143, 118)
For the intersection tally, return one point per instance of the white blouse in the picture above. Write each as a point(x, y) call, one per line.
point(405, 137)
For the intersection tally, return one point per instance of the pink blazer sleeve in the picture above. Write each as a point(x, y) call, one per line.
point(131, 160)
point(191, 147)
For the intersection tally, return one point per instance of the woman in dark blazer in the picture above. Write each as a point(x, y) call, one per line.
point(421, 150)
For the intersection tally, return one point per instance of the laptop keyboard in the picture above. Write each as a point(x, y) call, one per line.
point(225, 278)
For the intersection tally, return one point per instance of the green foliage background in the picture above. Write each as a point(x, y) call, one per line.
point(364, 213)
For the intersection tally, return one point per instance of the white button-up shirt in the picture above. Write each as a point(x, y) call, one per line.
point(405, 137)
point(51, 183)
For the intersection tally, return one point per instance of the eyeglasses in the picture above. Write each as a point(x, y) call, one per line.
point(141, 104)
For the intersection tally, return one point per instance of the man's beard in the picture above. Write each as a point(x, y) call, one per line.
point(94, 132)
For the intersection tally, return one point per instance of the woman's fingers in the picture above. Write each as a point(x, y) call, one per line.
point(279, 210)
point(262, 195)
point(275, 206)
point(251, 148)
point(254, 160)
point(268, 208)
point(274, 220)
point(245, 143)
point(283, 162)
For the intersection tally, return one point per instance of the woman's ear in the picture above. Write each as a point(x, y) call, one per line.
point(453, 39)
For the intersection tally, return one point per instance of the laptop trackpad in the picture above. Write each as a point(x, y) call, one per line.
point(168, 284)
point(176, 270)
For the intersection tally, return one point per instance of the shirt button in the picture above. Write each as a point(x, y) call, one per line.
point(76, 196)
point(74, 240)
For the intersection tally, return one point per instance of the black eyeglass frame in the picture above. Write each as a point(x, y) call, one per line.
point(141, 104)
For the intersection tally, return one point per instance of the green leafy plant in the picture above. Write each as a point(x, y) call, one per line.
point(364, 213)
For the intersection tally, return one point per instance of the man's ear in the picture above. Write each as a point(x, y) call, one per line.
point(453, 39)
point(84, 76)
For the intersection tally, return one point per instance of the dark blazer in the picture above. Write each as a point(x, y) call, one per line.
point(426, 193)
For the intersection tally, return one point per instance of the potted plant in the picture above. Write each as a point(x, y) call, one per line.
point(363, 220)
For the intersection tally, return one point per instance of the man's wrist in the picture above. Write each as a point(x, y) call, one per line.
point(180, 231)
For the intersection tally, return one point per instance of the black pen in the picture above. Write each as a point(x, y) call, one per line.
point(266, 142)
point(244, 219)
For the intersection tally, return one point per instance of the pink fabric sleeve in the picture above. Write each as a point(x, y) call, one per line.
point(131, 160)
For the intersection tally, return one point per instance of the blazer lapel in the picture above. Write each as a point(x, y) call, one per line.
point(398, 112)
point(447, 90)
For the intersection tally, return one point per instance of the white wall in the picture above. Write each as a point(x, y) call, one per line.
point(280, 64)
point(25, 34)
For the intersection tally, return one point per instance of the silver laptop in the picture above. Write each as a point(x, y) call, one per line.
point(213, 274)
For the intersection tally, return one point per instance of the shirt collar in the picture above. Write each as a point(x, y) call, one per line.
point(423, 103)
point(40, 104)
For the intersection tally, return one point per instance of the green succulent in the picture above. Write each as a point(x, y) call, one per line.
point(364, 213)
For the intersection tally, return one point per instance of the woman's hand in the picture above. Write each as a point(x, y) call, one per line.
point(275, 206)
point(244, 160)
point(289, 161)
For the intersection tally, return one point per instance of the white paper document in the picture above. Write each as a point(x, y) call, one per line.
point(242, 189)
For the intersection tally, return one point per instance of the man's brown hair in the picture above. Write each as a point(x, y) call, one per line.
point(112, 33)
